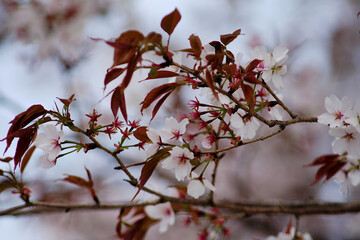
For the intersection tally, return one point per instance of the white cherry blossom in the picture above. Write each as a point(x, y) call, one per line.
point(339, 113)
point(246, 129)
point(157, 138)
point(162, 212)
point(180, 161)
point(346, 140)
point(50, 142)
point(289, 236)
point(174, 129)
point(196, 188)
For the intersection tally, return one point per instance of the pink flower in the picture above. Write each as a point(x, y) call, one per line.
point(180, 161)
point(162, 212)
point(174, 129)
point(346, 140)
point(339, 113)
point(50, 142)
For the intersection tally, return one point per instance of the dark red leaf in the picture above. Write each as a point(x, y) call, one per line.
point(118, 101)
point(6, 184)
point(138, 229)
point(112, 74)
point(196, 45)
point(249, 96)
point(325, 159)
point(252, 65)
point(7, 159)
point(153, 38)
point(21, 120)
point(78, 181)
point(140, 134)
point(169, 22)
point(26, 158)
point(228, 38)
point(68, 101)
point(159, 103)
point(150, 166)
point(161, 74)
point(230, 69)
point(156, 93)
point(126, 46)
point(251, 78)
point(130, 71)
point(211, 84)
point(26, 137)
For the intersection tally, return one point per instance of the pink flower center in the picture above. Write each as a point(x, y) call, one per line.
point(167, 212)
point(182, 159)
point(348, 137)
point(176, 134)
point(338, 115)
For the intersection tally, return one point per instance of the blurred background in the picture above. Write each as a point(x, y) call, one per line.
point(46, 52)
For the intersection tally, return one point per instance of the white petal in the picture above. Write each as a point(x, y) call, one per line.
point(45, 162)
point(195, 188)
point(354, 177)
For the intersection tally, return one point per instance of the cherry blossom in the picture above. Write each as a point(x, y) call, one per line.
point(339, 113)
point(290, 236)
point(346, 140)
point(174, 129)
point(156, 138)
point(247, 128)
point(50, 142)
point(180, 161)
point(196, 187)
point(162, 212)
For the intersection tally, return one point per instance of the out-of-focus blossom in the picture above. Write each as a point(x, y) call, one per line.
point(174, 129)
point(180, 161)
point(196, 188)
point(346, 140)
point(289, 236)
point(50, 142)
point(339, 113)
point(162, 212)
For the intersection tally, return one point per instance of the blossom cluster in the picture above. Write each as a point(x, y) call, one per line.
point(289, 235)
point(343, 120)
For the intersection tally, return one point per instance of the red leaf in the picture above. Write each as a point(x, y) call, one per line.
point(26, 137)
point(230, 69)
point(126, 46)
point(140, 134)
point(150, 166)
point(112, 74)
point(153, 38)
point(211, 84)
point(156, 93)
point(249, 96)
point(161, 74)
point(7, 159)
point(68, 101)
point(325, 159)
point(170, 21)
point(26, 158)
point(78, 181)
point(196, 45)
point(130, 71)
point(159, 103)
point(21, 120)
point(118, 101)
point(228, 38)
point(251, 78)
point(252, 65)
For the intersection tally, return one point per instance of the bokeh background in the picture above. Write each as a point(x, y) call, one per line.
point(46, 52)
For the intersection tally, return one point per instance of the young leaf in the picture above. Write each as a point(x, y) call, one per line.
point(211, 83)
point(228, 38)
point(196, 45)
point(140, 134)
point(252, 65)
point(161, 74)
point(150, 166)
point(26, 137)
point(26, 158)
point(249, 96)
point(156, 93)
point(126, 46)
point(118, 101)
point(78, 181)
point(159, 103)
point(170, 21)
point(112, 74)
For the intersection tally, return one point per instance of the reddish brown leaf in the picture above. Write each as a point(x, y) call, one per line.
point(228, 38)
point(153, 38)
point(6, 184)
point(334, 169)
point(126, 46)
point(156, 93)
point(161, 74)
point(252, 65)
point(230, 69)
point(159, 104)
point(196, 45)
point(138, 229)
point(249, 96)
point(211, 83)
point(21, 120)
point(68, 101)
point(325, 159)
point(251, 78)
point(26, 137)
point(78, 181)
point(112, 74)
point(169, 22)
point(7, 159)
point(150, 166)
point(140, 134)
point(130, 70)
point(26, 158)
point(118, 101)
